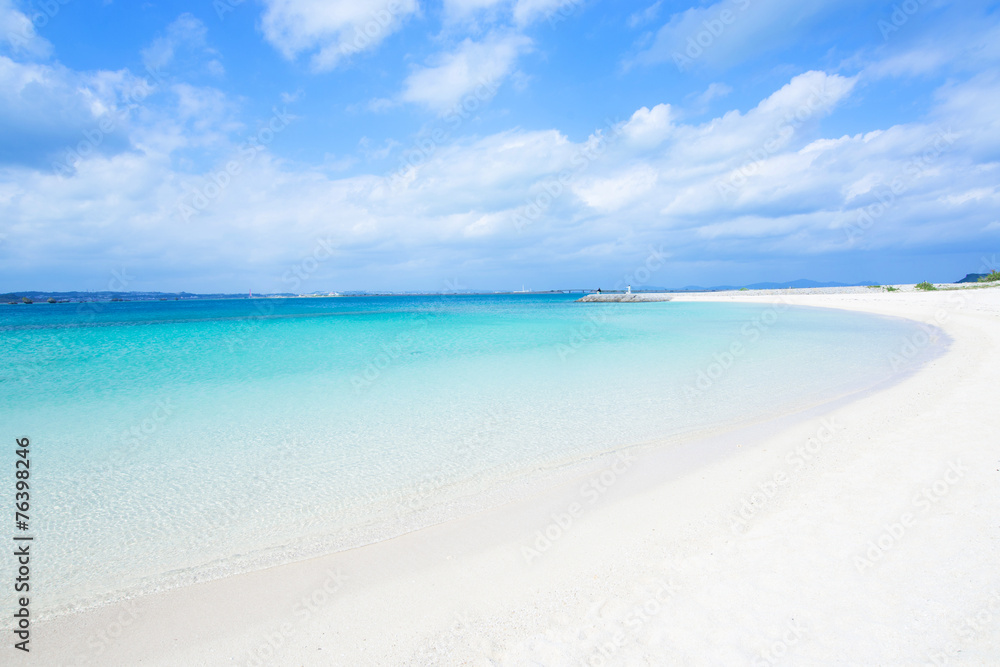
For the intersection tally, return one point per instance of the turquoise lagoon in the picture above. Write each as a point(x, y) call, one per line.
point(178, 441)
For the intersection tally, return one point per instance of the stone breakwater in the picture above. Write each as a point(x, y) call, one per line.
point(616, 298)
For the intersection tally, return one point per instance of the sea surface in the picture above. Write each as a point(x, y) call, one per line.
point(178, 441)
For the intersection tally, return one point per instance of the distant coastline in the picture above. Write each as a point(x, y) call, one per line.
point(639, 293)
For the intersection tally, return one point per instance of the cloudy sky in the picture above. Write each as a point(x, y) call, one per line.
point(301, 145)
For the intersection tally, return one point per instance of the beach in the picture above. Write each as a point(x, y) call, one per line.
point(859, 531)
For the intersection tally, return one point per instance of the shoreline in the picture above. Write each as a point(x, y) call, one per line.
point(450, 563)
point(528, 483)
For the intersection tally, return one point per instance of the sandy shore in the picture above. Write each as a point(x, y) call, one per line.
point(864, 532)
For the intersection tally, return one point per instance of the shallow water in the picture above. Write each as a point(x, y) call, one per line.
point(176, 441)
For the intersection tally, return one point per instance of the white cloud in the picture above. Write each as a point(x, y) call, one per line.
point(465, 10)
point(529, 11)
point(185, 31)
point(729, 31)
point(971, 45)
point(645, 16)
point(713, 92)
point(473, 66)
point(332, 30)
point(46, 109)
point(17, 33)
point(520, 12)
point(658, 181)
point(612, 194)
point(649, 127)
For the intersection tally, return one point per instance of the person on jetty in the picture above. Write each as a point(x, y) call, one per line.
point(628, 290)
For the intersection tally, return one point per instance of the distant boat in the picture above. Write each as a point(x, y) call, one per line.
point(251, 294)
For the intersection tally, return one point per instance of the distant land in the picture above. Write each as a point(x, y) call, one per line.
point(85, 297)
point(973, 277)
point(794, 284)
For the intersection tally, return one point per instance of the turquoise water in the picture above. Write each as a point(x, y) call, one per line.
point(178, 441)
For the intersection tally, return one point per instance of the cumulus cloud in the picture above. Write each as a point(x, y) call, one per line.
point(520, 12)
point(474, 65)
point(744, 183)
point(649, 127)
point(332, 30)
point(17, 33)
point(529, 11)
point(46, 110)
point(185, 32)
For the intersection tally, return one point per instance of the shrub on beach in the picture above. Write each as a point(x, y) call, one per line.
point(926, 286)
point(991, 278)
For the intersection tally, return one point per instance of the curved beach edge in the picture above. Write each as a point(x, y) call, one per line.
point(865, 530)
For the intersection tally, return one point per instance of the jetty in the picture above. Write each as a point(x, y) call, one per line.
point(625, 296)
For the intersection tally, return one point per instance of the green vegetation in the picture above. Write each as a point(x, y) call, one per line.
point(744, 289)
point(991, 278)
point(890, 288)
point(51, 300)
point(873, 286)
point(26, 299)
point(926, 286)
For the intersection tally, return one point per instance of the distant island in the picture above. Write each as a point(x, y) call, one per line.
point(30, 297)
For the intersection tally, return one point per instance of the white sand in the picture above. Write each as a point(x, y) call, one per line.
point(657, 571)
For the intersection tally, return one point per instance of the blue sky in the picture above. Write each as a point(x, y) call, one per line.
point(303, 145)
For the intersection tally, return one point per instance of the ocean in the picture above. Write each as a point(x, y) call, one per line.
point(178, 441)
